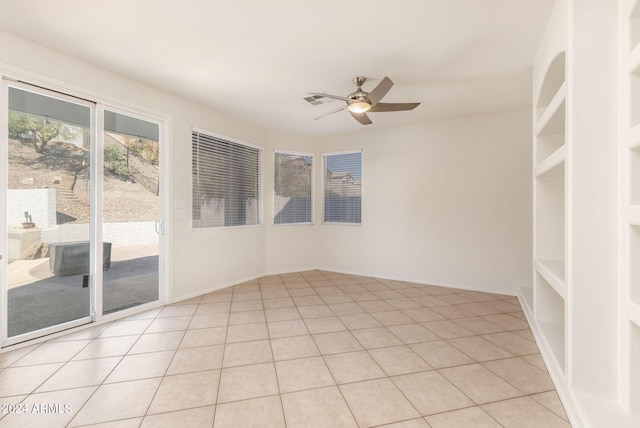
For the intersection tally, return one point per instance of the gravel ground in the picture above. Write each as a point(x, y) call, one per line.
point(123, 199)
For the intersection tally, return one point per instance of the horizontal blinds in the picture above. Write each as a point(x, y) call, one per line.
point(292, 188)
point(226, 182)
point(342, 176)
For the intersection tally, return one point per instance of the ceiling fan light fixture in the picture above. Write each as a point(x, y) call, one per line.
point(359, 107)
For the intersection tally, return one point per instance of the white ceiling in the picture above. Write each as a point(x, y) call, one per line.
point(258, 59)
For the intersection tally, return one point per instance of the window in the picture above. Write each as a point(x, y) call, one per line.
point(343, 187)
point(226, 182)
point(292, 188)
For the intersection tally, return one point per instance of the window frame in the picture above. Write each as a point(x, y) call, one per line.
point(311, 186)
point(260, 150)
point(324, 186)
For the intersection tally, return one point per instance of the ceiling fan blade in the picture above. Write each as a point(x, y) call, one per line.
point(361, 117)
point(393, 107)
point(380, 91)
point(331, 112)
point(335, 97)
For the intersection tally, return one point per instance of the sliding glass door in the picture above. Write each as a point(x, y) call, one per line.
point(81, 233)
point(131, 224)
point(48, 211)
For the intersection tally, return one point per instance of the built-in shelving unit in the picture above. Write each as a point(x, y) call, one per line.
point(550, 193)
point(630, 224)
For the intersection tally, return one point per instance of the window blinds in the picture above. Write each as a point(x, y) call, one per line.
point(342, 175)
point(226, 182)
point(292, 188)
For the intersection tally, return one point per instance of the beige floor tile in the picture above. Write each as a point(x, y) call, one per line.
point(9, 357)
point(451, 312)
point(263, 412)
point(185, 391)
point(126, 328)
point(24, 380)
point(247, 295)
point(245, 382)
point(199, 417)
point(247, 332)
point(204, 337)
point(281, 302)
point(160, 325)
point(440, 354)
point(91, 332)
point(216, 298)
point(412, 333)
point(246, 305)
point(404, 303)
point(77, 374)
point(353, 367)
point(304, 373)
point(196, 359)
point(336, 298)
point(479, 349)
point(525, 334)
point(397, 360)
point(288, 348)
point(107, 347)
point(209, 321)
point(372, 338)
point(507, 322)
point(362, 296)
point(141, 366)
point(246, 317)
point(52, 352)
point(387, 318)
point(377, 402)
point(359, 321)
point(334, 343)
point(282, 314)
point(287, 328)
point(422, 314)
point(480, 384)
point(244, 353)
point(222, 308)
point(479, 309)
point(455, 299)
point(524, 376)
point(477, 325)
point(155, 342)
point(317, 408)
point(315, 311)
point(551, 401)
point(372, 306)
point(505, 306)
point(388, 294)
point(513, 343)
point(324, 325)
point(312, 300)
point(346, 308)
point(66, 405)
point(430, 301)
point(431, 393)
point(117, 401)
point(524, 412)
point(464, 418)
point(177, 311)
point(447, 329)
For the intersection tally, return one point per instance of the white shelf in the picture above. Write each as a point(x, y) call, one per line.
point(550, 164)
point(552, 120)
point(632, 137)
point(553, 272)
point(633, 312)
point(633, 60)
point(632, 215)
point(553, 336)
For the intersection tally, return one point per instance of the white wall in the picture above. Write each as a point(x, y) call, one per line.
point(451, 198)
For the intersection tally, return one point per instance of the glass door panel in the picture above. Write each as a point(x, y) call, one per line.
point(48, 212)
point(130, 211)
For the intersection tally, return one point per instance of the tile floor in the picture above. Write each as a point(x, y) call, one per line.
point(308, 349)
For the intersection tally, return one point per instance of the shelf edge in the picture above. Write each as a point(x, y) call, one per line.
point(551, 109)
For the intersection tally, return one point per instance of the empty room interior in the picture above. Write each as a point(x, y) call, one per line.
point(416, 214)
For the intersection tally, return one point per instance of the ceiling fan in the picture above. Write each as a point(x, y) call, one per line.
point(360, 102)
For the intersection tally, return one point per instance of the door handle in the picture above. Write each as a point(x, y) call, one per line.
point(158, 227)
